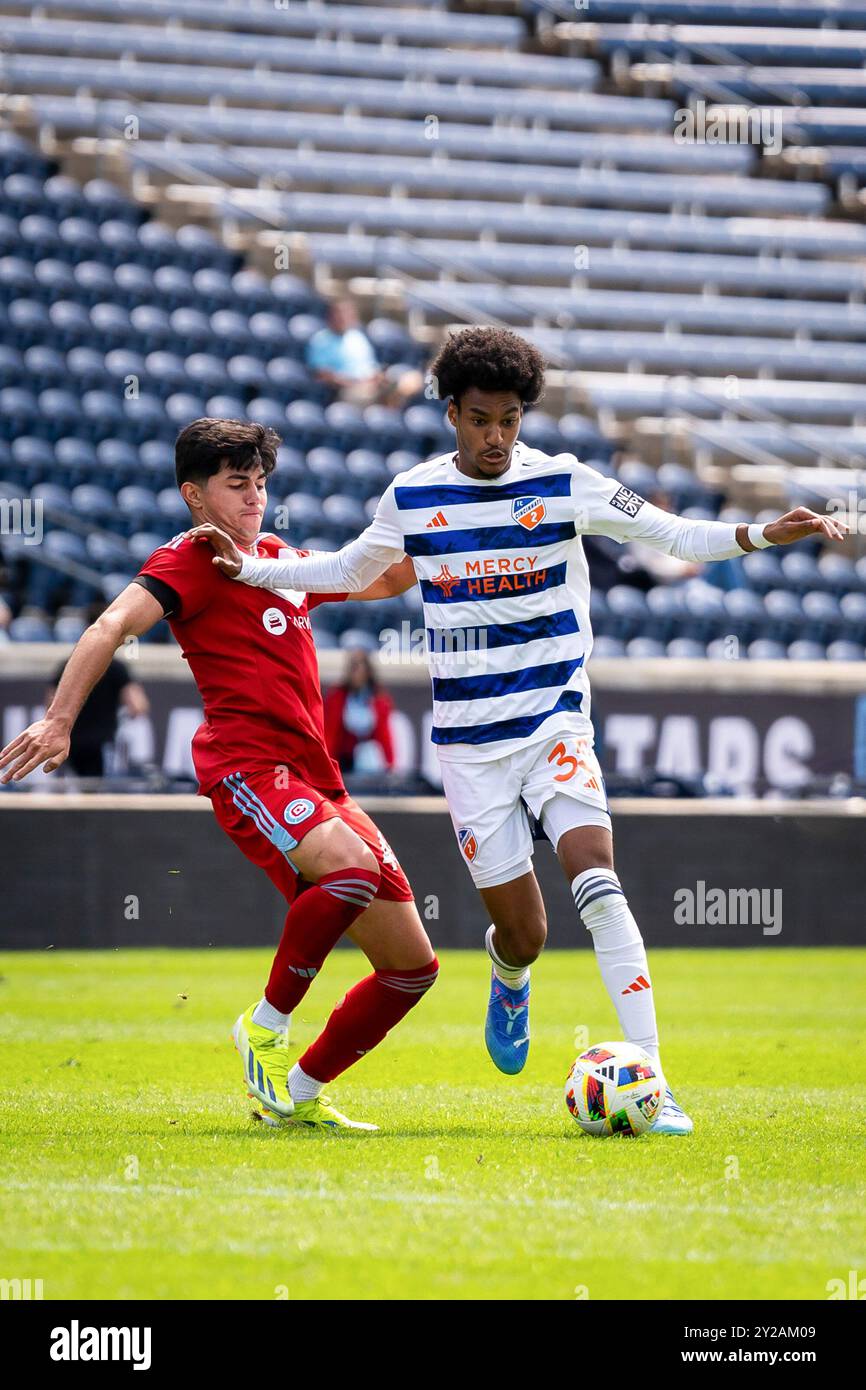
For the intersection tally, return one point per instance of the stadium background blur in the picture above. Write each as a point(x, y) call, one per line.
point(667, 198)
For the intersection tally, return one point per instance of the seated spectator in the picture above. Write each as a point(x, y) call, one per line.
point(357, 719)
point(342, 357)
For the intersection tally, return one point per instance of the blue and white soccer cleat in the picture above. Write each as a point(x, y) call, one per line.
point(506, 1030)
point(672, 1118)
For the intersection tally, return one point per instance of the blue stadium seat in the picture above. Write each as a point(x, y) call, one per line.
point(325, 471)
point(765, 649)
point(382, 427)
point(853, 609)
point(226, 408)
point(29, 322)
point(44, 365)
point(172, 509)
point(30, 629)
point(32, 458)
point(93, 503)
point(156, 457)
point(12, 368)
point(182, 407)
point(785, 611)
point(305, 421)
point(107, 553)
point(345, 514)
point(138, 507)
point(142, 544)
point(76, 459)
point(845, 651)
point(248, 373)
point(346, 425)
point(68, 629)
point(87, 366)
point(305, 514)
point(805, 650)
point(627, 611)
point(40, 236)
point(118, 461)
point(291, 379)
point(367, 472)
point(19, 411)
point(291, 470)
point(640, 648)
point(605, 647)
point(401, 460)
point(267, 410)
point(686, 648)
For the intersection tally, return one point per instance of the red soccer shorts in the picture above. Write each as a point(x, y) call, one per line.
point(268, 816)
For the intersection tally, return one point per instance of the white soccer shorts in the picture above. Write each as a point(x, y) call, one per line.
point(558, 779)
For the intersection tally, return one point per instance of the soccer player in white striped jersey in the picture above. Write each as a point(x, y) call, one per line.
point(494, 531)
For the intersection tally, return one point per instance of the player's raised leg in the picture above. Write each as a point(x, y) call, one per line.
point(394, 941)
point(344, 875)
point(586, 855)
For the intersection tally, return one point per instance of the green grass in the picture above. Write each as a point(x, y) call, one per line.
point(131, 1168)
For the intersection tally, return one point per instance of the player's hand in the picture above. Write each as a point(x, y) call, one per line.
point(801, 523)
point(45, 744)
point(227, 558)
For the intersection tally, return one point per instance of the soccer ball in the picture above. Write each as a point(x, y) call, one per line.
point(614, 1088)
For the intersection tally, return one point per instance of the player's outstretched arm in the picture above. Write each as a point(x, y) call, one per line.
point(799, 525)
point(46, 742)
point(351, 570)
point(605, 508)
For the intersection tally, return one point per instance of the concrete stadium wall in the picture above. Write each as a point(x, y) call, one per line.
point(109, 871)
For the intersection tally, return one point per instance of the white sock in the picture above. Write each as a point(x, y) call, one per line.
point(620, 953)
point(303, 1087)
point(266, 1016)
point(514, 976)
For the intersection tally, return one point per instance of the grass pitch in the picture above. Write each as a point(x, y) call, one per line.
point(131, 1167)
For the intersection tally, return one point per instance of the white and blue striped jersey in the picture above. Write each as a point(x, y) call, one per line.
point(505, 586)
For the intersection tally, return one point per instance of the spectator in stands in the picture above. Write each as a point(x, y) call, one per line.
point(96, 725)
point(5, 620)
point(358, 719)
point(342, 357)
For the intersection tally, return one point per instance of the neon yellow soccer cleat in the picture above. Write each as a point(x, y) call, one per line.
point(265, 1056)
point(318, 1114)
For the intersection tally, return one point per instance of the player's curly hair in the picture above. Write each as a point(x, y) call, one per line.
point(492, 359)
point(202, 446)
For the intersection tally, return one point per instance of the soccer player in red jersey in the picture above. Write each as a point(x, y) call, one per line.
point(260, 756)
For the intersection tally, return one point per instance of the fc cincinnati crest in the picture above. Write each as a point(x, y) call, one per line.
point(467, 841)
point(528, 511)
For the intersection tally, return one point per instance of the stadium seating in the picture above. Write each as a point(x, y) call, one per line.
point(507, 167)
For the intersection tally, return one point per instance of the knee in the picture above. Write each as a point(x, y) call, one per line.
point(343, 849)
point(520, 943)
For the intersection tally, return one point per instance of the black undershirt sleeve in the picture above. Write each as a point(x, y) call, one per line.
point(162, 592)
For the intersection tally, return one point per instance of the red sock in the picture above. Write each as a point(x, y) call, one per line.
point(314, 925)
point(364, 1016)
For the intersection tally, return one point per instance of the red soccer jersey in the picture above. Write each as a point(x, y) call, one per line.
point(253, 657)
